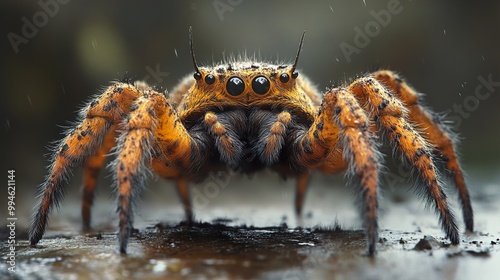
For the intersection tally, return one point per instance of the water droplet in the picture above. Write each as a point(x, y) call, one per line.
point(94, 44)
point(444, 32)
point(176, 55)
point(331, 8)
point(29, 99)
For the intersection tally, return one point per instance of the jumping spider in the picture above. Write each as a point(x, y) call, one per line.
point(251, 116)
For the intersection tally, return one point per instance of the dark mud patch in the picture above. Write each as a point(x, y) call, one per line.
point(218, 250)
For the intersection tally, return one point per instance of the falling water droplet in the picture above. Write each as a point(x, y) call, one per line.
point(94, 44)
point(176, 55)
point(29, 100)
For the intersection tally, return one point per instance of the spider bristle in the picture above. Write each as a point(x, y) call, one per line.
point(371, 68)
point(126, 79)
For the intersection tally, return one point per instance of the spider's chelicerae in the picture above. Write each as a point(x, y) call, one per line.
point(250, 116)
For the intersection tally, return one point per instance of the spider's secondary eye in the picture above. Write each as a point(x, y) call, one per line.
point(209, 79)
point(295, 74)
point(260, 85)
point(197, 76)
point(235, 86)
point(284, 77)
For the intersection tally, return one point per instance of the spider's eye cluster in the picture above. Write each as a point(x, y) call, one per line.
point(284, 78)
point(209, 78)
point(235, 85)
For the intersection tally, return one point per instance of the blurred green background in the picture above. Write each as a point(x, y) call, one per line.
point(55, 55)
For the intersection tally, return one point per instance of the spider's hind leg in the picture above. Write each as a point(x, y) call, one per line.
point(91, 168)
point(438, 135)
point(390, 115)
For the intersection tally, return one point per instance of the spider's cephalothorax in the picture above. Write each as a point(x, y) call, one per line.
point(250, 116)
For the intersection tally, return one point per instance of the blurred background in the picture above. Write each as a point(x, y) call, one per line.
point(56, 54)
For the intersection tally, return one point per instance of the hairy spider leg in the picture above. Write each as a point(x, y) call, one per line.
point(342, 122)
point(91, 168)
point(391, 117)
point(80, 142)
point(183, 192)
point(300, 193)
point(153, 136)
point(436, 133)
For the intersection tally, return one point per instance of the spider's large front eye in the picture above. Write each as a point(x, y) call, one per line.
point(260, 85)
point(209, 79)
point(235, 86)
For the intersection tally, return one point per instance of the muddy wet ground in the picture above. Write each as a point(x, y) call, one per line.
point(246, 229)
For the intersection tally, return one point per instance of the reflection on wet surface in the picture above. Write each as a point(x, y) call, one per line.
point(247, 242)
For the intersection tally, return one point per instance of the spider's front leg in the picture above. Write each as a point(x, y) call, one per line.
point(342, 126)
point(97, 120)
point(155, 138)
point(390, 115)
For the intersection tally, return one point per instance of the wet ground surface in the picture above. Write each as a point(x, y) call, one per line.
point(250, 232)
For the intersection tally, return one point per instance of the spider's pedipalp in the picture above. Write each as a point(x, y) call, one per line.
point(227, 141)
point(98, 118)
point(272, 129)
point(390, 116)
point(436, 133)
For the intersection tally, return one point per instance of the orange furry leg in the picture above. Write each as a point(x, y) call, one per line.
point(91, 169)
point(154, 137)
point(390, 115)
point(300, 193)
point(342, 122)
point(183, 191)
point(436, 133)
point(80, 143)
